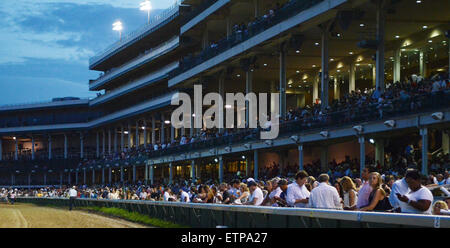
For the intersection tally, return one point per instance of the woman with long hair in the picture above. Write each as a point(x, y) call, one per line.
point(378, 200)
point(350, 193)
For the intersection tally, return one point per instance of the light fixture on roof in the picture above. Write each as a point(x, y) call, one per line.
point(117, 26)
point(146, 6)
point(358, 128)
point(389, 123)
point(268, 142)
point(324, 134)
point(438, 116)
point(295, 138)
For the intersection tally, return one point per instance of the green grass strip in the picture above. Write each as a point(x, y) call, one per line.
point(134, 216)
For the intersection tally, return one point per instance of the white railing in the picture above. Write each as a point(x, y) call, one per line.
point(151, 53)
point(154, 22)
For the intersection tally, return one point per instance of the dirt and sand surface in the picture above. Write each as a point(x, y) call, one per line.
point(32, 216)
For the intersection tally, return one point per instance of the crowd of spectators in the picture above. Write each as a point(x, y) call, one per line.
point(408, 193)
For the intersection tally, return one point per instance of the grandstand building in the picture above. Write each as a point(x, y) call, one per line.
point(309, 51)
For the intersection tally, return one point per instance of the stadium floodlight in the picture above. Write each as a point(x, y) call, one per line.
point(389, 123)
point(324, 134)
point(358, 128)
point(117, 26)
point(438, 116)
point(146, 6)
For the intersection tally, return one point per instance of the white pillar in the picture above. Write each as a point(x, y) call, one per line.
point(146, 174)
point(192, 169)
point(115, 138)
point(109, 175)
point(397, 65)
point(153, 130)
point(93, 176)
point(325, 74)
point(136, 138)
point(162, 136)
point(422, 65)
point(134, 173)
point(362, 154)
point(315, 89)
point(336, 88)
point(122, 147)
point(121, 173)
point(109, 140)
point(256, 163)
point(248, 89)
point(220, 169)
point(104, 141)
point(49, 146)
point(424, 134)
point(32, 148)
point(170, 173)
point(283, 81)
point(152, 173)
point(65, 146)
point(352, 78)
point(103, 176)
point(380, 33)
point(81, 146)
point(129, 135)
point(300, 157)
point(16, 149)
point(222, 94)
point(145, 133)
point(97, 138)
point(445, 142)
point(374, 76)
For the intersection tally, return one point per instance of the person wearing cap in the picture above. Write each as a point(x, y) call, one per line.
point(297, 193)
point(281, 199)
point(72, 196)
point(257, 196)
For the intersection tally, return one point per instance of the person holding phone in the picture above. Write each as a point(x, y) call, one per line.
point(418, 200)
point(297, 193)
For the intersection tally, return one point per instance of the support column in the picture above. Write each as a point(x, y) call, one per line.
point(222, 94)
point(49, 147)
point(129, 135)
point(336, 88)
point(115, 139)
point(381, 21)
point(362, 154)
point(146, 174)
point(121, 174)
point(32, 148)
point(352, 78)
point(170, 173)
point(136, 139)
point(69, 178)
point(109, 141)
point(145, 133)
point(324, 159)
point(98, 144)
point(103, 176)
point(12, 179)
point(122, 147)
point(192, 169)
point(84, 176)
point(134, 173)
point(104, 141)
point(1, 149)
point(76, 177)
point(162, 136)
point(247, 166)
point(315, 90)
point(248, 89)
point(153, 130)
point(324, 76)
point(109, 175)
point(300, 157)
point(65, 146)
point(379, 151)
point(152, 173)
point(397, 65)
point(16, 149)
point(93, 176)
point(422, 65)
point(45, 178)
point(283, 51)
point(220, 169)
point(445, 142)
point(60, 178)
point(81, 146)
point(172, 134)
point(256, 163)
point(424, 134)
point(374, 76)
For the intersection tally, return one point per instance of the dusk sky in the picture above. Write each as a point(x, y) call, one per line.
point(45, 45)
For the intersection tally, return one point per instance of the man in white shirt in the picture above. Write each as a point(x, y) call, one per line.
point(72, 196)
point(184, 196)
point(166, 195)
point(257, 196)
point(297, 193)
point(399, 187)
point(419, 199)
point(324, 195)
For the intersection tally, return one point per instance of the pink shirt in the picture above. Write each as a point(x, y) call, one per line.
point(363, 195)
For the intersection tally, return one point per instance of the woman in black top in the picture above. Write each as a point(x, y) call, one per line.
point(378, 200)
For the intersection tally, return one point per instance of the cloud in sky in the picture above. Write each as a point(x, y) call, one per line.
point(54, 39)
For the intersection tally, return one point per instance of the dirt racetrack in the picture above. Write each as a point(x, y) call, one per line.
point(31, 216)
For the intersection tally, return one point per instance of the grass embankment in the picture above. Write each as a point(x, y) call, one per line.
point(133, 216)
